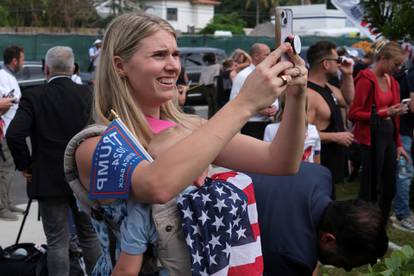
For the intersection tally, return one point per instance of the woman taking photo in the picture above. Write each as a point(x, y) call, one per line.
point(377, 86)
point(136, 77)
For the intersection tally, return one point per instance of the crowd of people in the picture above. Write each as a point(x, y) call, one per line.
point(268, 120)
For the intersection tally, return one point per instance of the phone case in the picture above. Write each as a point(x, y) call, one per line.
point(283, 25)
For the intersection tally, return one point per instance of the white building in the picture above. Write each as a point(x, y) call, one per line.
point(183, 15)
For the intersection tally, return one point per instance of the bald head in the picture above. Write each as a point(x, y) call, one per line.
point(259, 52)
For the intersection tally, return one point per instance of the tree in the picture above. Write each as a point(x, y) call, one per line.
point(393, 18)
point(265, 3)
point(48, 13)
point(247, 10)
point(230, 22)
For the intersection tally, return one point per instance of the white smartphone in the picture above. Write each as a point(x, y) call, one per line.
point(406, 101)
point(284, 30)
point(283, 25)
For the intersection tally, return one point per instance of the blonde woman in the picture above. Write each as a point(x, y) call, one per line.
point(241, 58)
point(138, 69)
point(377, 86)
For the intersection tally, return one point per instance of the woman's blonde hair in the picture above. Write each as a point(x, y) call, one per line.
point(112, 91)
point(384, 49)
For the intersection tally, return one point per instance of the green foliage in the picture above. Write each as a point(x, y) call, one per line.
point(3, 17)
point(230, 22)
point(400, 263)
point(48, 13)
point(393, 18)
point(247, 8)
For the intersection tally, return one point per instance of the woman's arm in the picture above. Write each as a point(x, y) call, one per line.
point(128, 265)
point(283, 155)
point(359, 111)
point(177, 167)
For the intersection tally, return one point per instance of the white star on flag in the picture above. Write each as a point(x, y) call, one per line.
point(196, 229)
point(197, 258)
point(227, 250)
point(189, 241)
point(236, 221)
point(218, 222)
point(195, 196)
point(212, 260)
point(187, 213)
point(220, 204)
point(206, 198)
point(233, 210)
point(240, 233)
point(234, 197)
point(244, 205)
point(203, 218)
point(214, 241)
point(219, 190)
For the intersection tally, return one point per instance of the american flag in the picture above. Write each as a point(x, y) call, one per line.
point(221, 226)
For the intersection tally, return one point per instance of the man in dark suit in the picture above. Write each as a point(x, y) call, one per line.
point(51, 114)
point(300, 224)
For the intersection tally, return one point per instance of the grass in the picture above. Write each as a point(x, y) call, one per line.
point(348, 191)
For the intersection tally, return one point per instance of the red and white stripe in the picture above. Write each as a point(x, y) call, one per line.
point(245, 259)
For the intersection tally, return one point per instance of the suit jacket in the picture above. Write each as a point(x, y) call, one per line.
point(50, 114)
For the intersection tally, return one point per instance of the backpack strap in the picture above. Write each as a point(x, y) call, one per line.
point(71, 171)
point(92, 207)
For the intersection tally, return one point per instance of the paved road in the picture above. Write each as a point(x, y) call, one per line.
point(32, 231)
point(18, 191)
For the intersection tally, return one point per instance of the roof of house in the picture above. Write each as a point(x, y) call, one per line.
point(205, 2)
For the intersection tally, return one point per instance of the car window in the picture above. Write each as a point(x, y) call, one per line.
point(23, 74)
point(196, 59)
point(36, 72)
point(30, 72)
point(192, 59)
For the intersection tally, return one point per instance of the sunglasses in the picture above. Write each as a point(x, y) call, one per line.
point(338, 60)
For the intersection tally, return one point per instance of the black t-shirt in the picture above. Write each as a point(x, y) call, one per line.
point(406, 82)
point(290, 209)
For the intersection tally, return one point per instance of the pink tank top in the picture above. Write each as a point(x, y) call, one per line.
point(158, 125)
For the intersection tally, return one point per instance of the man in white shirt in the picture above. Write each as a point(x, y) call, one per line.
point(208, 76)
point(256, 125)
point(10, 94)
point(94, 52)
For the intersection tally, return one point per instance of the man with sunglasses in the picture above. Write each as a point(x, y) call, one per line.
point(326, 104)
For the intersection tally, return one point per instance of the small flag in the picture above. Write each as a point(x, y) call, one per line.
point(116, 155)
point(221, 227)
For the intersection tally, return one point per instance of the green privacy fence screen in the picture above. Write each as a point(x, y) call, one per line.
point(35, 46)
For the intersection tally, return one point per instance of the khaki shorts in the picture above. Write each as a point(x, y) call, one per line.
point(173, 252)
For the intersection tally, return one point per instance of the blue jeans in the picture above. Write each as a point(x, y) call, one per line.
point(404, 177)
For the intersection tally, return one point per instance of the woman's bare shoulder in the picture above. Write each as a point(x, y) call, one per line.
point(83, 157)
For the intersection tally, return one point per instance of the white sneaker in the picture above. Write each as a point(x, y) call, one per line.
point(407, 223)
point(404, 225)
